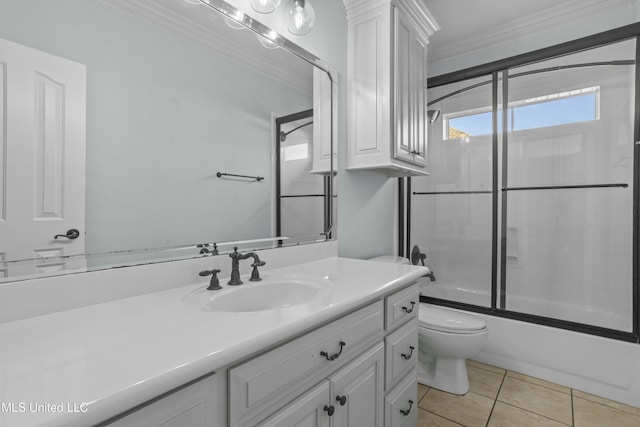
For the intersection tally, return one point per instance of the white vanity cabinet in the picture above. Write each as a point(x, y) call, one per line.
point(195, 405)
point(367, 379)
point(358, 370)
point(387, 84)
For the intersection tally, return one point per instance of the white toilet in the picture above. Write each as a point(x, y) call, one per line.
point(446, 338)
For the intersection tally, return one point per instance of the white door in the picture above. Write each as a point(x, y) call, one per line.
point(42, 157)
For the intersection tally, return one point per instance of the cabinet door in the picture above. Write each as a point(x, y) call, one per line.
point(306, 411)
point(418, 147)
point(401, 403)
point(193, 406)
point(357, 391)
point(404, 106)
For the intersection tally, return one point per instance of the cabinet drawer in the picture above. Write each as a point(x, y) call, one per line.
point(273, 378)
point(402, 306)
point(401, 351)
point(401, 404)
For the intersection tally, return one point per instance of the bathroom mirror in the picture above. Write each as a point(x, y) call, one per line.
point(138, 131)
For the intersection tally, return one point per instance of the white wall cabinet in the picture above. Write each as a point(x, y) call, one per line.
point(387, 83)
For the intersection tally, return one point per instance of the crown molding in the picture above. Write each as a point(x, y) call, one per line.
point(416, 8)
point(545, 19)
point(212, 38)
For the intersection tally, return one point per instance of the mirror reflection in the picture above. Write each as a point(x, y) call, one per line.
point(139, 128)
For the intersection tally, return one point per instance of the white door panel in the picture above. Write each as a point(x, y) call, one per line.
point(42, 149)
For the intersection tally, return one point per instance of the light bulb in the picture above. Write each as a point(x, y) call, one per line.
point(264, 6)
point(301, 17)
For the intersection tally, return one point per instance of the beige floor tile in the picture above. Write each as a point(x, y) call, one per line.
point(543, 383)
point(485, 366)
point(504, 415)
point(607, 402)
point(538, 399)
point(486, 383)
point(422, 390)
point(591, 414)
point(427, 419)
point(470, 410)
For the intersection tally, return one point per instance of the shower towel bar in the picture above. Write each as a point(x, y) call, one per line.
point(257, 178)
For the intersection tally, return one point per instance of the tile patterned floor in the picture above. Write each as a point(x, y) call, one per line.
point(501, 398)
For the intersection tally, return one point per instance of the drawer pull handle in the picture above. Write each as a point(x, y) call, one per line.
point(330, 409)
point(407, 357)
point(342, 400)
point(406, 412)
point(335, 356)
point(409, 310)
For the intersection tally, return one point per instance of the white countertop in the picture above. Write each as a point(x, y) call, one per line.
point(103, 359)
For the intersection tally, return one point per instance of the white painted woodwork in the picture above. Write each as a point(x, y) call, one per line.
point(192, 406)
point(306, 411)
point(291, 384)
point(277, 376)
point(43, 131)
point(361, 382)
point(401, 352)
point(402, 398)
point(324, 115)
point(401, 306)
point(387, 72)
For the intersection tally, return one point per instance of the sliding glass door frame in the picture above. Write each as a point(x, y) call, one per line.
point(497, 72)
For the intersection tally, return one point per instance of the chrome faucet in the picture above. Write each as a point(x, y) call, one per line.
point(235, 266)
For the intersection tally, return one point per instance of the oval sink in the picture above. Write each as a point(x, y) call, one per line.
point(269, 294)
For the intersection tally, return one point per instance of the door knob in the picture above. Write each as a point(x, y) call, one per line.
point(71, 234)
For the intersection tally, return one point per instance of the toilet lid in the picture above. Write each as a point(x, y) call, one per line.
point(444, 320)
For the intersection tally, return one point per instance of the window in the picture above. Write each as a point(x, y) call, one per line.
point(557, 109)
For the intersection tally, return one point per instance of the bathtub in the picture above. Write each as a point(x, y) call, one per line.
point(601, 366)
point(466, 293)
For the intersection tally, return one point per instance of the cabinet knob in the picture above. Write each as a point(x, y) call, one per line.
point(329, 409)
point(342, 400)
point(408, 356)
point(415, 152)
point(406, 412)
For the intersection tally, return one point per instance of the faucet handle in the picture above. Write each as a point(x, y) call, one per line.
point(214, 284)
point(255, 274)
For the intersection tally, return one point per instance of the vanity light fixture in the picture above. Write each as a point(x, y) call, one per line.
point(264, 6)
point(235, 20)
point(301, 17)
point(268, 40)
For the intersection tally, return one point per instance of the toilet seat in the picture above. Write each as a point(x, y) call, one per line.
point(444, 320)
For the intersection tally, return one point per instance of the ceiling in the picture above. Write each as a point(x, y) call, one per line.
point(467, 25)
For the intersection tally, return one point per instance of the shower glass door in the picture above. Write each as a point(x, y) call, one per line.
point(452, 208)
point(529, 209)
point(567, 193)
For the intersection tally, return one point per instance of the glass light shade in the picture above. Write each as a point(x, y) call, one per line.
point(235, 21)
point(301, 17)
point(268, 40)
point(264, 6)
